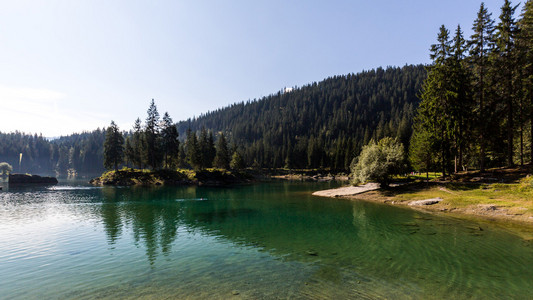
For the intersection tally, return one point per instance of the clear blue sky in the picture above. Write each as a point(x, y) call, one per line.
point(68, 66)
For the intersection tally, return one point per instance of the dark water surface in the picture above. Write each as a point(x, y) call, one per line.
point(267, 241)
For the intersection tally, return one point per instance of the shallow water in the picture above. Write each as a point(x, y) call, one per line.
point(270, 240)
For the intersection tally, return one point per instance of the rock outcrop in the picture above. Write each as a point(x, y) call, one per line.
point(30, 179)
point(425, 202)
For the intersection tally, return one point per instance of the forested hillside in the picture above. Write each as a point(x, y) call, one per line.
point(320, 125)
point(323, 124)
point(77, 153)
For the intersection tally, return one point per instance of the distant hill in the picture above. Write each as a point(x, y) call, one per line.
point(322, 124)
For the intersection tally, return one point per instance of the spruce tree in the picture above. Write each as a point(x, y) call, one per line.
point(152, 137)
point(170, 142)
point(480, 45)
point(113, 147)
point(525, 55)
point(222, 157)
point(504, 66)
point(137, 144)
point(462, 104)
point(129, 153)
point(192, 146)
point(435, 113)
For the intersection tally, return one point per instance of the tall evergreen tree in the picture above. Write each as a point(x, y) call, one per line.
point(152, 137)
point(504, 66)
point(480, 45)
point(137, 144)
point(192, 146)
point(129, 152)
point(207, 149)
point(435, 113)
point(113, 147)
point(170, 142)
point(222, 158)
point(525, 55)
point(462, 105)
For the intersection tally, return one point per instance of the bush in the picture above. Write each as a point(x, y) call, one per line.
point(5, 168)
point(378, 162)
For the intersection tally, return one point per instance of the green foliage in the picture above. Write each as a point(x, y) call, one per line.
point(5, 168)
point(194, 158)
point(207, 152)
point(378, 162)
point(113, 147)
point(421, 155)
point(170, 142)
point(137, 142)
point(237, 162)
point(153, 153)
point(222, 157)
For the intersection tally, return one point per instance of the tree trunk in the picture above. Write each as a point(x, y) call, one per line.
point(510, 126)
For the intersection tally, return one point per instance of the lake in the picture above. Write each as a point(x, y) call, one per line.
point(261, 241)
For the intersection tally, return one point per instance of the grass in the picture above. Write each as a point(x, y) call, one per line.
point(517, 196)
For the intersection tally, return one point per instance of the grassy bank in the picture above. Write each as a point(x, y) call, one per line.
point(505, 194)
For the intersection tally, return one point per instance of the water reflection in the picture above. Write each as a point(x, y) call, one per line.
point(234, 234)
point(247, 216)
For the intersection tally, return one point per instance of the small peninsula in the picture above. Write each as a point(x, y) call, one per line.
point(207, 177)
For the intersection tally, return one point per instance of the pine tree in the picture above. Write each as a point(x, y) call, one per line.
point(129, 152)
point(503, 69)
point(222, 158)
point(211, 150)
point(207, 149)
point(480, 45)
point(194, 157)
point(170, 142)
point(420, 151)
point(435, 114)
point(152, 137)
point(525, 55)
point(137, 144)
point(462, 104)
point(113, 147)
point(182, 157)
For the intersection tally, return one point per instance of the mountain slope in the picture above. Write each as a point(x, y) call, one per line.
point(322, 124)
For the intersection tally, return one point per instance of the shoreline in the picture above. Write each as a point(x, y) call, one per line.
point(486, 212)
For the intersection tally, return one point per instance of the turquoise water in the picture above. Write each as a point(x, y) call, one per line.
point(262, 241)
